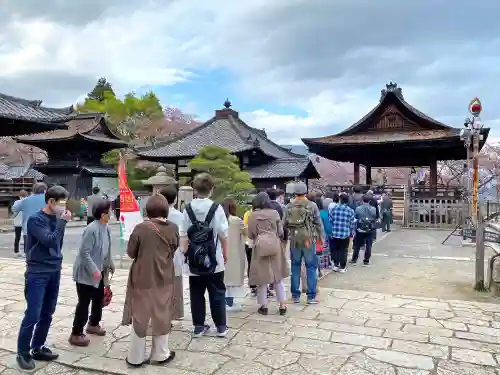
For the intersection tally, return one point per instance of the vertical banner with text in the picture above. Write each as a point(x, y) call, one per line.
point(130, 214)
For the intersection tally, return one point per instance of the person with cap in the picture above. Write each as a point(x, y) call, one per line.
point(302, 220)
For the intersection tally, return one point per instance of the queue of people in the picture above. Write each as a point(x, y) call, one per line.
point(208, 239)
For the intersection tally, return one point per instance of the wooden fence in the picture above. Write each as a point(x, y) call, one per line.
point(435, 213)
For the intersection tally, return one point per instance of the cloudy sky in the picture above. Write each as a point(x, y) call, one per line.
point(294, 67)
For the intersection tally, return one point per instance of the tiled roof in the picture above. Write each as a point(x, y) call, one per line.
point(32, 110)
point(33, 173)
point(91, 126)
point(227, 131)
point(100, 170)
point(373, 138)
point(392, 94)
point(18, 171)
point(282, 168)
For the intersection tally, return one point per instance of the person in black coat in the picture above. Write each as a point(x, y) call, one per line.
point(116, 207)
point(374, 203)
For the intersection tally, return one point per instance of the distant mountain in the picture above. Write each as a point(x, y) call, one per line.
point(298, 149)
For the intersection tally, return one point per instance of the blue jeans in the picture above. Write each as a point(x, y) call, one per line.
point(229, 301)
point(41, 291)
point(311, 262)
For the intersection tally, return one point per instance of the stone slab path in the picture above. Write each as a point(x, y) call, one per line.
point(412, 261)
point(348, 333)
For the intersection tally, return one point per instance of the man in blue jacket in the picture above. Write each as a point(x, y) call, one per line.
point(30, 206)
point(44, 240)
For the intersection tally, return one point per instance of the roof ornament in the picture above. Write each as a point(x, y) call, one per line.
point(227, 104)
point(392, 87)
point(256, 142)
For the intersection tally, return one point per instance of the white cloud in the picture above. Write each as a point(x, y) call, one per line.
point(327, 59)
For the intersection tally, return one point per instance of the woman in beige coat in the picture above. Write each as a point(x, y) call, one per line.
point(150, 288)
point(269, 264)
point(234, 274)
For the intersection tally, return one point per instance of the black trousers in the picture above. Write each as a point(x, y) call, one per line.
point(214, 284)
point(86, 295)
point(89, 220)
point(248, 251)
point(17, 238)
point(338, 250)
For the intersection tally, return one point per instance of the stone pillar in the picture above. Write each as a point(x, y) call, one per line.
point(356, 174)
point(368, 175)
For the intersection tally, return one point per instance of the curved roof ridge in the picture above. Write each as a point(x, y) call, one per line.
point(393, 92)
point(166, 142)
point(37, 104)
point(258, 134)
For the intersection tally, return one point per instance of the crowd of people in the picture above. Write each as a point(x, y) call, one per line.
point(207, 240)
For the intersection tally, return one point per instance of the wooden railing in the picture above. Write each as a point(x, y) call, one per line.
point(435, 213)
point(9, 188)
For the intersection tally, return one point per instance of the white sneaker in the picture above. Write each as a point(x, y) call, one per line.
point(234, 308)
point(335, 269)
point(342, 270)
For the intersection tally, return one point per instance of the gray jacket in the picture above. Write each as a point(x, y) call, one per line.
point(366, 211)
point(89, 258)
point(386, 204)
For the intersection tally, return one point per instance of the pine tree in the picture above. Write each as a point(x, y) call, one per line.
point(231, 181)
point(98, 93)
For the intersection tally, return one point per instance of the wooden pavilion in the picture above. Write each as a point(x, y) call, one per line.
point(396, 134)
point(393, 134)
point(74, 154)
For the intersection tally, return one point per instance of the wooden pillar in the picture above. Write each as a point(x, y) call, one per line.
point(368, 170)
point(433, 176)
point(356, 174)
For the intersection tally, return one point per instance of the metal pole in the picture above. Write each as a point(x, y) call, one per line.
point(479, 276)
point(476, 215)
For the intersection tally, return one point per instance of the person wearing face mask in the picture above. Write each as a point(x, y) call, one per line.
point(44, 241)
point(91, 270)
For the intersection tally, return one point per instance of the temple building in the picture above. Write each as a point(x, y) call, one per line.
point(268, 164)
point(74, 154)
point(393, 134)
point(20, 116)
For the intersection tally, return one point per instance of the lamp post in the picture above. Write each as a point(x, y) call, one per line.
point(473, 124)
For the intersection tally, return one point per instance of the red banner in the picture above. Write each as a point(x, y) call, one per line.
point(127, 199)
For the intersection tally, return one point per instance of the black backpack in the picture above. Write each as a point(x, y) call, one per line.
point(365, 225)
point(202, 246)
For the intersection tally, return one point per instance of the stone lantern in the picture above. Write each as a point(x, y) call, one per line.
point(160, 180)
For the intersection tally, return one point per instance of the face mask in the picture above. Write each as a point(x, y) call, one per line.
point(59, 209)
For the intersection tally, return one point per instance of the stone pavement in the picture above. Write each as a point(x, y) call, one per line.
point(348, 333)
point(412, 261)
